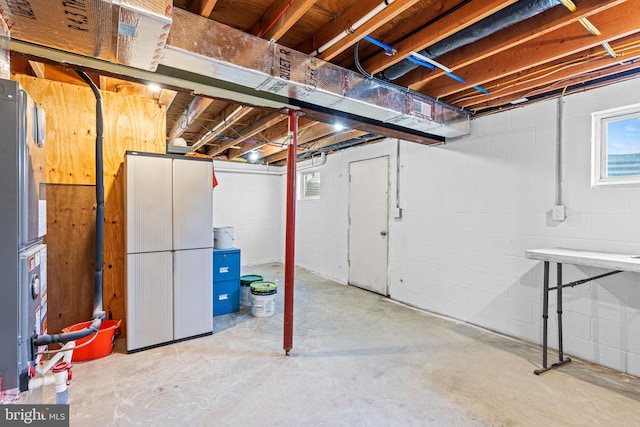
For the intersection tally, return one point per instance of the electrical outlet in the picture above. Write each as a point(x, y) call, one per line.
point(557, 213)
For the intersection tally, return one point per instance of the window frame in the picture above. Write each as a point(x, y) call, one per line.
point(302, 195)
point(599, 139)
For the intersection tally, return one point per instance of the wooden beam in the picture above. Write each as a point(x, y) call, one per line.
point(508, 38)
point(348, 18)
point(583, 64)
point(325, 141)
point(307, 131)
point(614, 23)
point(38, 69)
point(280, 17)
point(226, 122)
point(572, 81)
point(260, 126)
point(166, 97)
point(195, 108)
point(467, 15)
point(202, 7)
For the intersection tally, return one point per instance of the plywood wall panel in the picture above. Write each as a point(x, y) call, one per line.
point(131, 123)
point(70, 243)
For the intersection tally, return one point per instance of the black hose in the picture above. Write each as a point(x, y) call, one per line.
point(97, 292)
point(98, 313)
point(69, 336)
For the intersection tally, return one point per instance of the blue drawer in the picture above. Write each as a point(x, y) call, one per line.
point(226, 296)
point(226, 264)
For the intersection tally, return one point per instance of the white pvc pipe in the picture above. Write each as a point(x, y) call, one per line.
point(373, 12)
point(431, 61)
point(65, 353)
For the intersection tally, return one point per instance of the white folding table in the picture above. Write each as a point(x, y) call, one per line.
point(606, 260)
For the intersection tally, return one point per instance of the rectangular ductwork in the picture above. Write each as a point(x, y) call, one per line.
point(206, 47)
point(146, 33)
point(128, 32)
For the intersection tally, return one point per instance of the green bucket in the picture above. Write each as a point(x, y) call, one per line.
point(249, 279)
point(264, 288)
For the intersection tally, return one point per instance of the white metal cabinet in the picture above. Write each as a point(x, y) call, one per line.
point(192, 204)
point(169, 243)
point(149, 299)
point(148, 204)
point(192, 293)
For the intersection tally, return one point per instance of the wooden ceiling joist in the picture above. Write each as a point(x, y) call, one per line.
point(203, 7)
point(508, 38)
point(348, 18)
point(280, 17)
point(614, 23)
point(511, 88)
point(464, 17)
point(196, 107)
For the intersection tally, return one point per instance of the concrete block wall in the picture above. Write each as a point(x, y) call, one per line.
point(470, 209)
point(250, 199)
point(322, 232)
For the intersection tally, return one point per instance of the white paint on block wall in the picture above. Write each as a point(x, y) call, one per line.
point(471, 208)
point(249, 198)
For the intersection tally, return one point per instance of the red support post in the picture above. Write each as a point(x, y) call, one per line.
point(289, 264)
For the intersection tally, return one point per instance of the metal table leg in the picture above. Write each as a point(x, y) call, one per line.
point(545, 318)
point(561, 359)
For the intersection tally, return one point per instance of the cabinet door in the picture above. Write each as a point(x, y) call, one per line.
point(192, 293)
point(148, 204)
point(192, 204)
point(149, 299)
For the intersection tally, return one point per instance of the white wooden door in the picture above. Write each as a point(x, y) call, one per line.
point(368, 224)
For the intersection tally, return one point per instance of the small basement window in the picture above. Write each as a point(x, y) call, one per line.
point(616, 146)
point(310, 185)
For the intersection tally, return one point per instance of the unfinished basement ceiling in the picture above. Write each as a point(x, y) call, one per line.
point(490, 56)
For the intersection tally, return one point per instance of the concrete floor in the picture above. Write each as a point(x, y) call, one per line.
point(358, 360)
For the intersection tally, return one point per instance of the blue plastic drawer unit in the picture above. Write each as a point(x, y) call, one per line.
point(226, 281)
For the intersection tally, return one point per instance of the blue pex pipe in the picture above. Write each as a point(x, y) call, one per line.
point(481, 89)
point(419, 62)
point(378, 43)
point(454, 77)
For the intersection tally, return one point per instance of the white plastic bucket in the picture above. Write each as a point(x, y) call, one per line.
point(223, 237)
point(245, 288)
point(263, 298)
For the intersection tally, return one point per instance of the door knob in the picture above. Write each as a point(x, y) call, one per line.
point(383, 233)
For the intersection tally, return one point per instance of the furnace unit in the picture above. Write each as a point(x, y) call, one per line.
point(23, 256)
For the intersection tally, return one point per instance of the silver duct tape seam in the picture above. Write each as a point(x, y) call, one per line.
point(143, 29)
point(79, 26)
point(5, 64)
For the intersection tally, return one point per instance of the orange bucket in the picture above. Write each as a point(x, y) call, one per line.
point(102, 344)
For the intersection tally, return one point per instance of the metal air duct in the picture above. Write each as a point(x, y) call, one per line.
point(200, 45)
point(129, 32)
point(517, 12)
